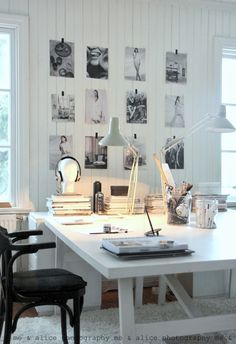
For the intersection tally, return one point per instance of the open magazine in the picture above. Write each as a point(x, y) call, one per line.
point(130, 245)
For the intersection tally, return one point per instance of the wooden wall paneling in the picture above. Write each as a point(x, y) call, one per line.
point(70, 82)
point(86, 33)
point(19, 7)
point(119, 53)
point(4, 6)
point(202, 94)
point(80, 82)
point(192, 103)
point(100, 39)
point(156, 88)
point(142, 131)
point(218, 22)
point(226, 23)
point(35, 164)
point(52, 89)
point(213, 140)
point(43, 101)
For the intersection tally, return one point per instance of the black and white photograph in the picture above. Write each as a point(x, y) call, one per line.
point(95, 155)
point(96, 106)
point(174, 157)
point(136, 107)
point(135, 64)
point(97, 62)
point(128, 154)
point(176, 68)
point(61, 58)
point(63, 107)
point(174, 111)
point(59, 146)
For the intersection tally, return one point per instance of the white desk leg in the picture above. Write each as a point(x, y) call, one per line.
point(126, 310)
point(162, 291)
point(138, 291)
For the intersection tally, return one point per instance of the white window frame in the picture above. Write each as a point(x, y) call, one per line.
point(220, 44)
point(19, 24)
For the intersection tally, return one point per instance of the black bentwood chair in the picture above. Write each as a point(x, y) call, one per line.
point(36, 287)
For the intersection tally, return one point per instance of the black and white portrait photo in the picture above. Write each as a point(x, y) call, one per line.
point(59, 146)
point(136, 107)
point(174, 157)
point(96, 106)
point(135, 64)
point(140, 149)
point(95, 155)
point(174, 111)
point(176, 67)
point(61, 58)
point(63, 107)
point(97, 62)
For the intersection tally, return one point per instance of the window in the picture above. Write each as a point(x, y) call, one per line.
point(228, 141)
point(6, 114)
point(14, 136)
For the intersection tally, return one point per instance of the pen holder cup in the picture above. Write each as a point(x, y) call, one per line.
point(178, 208)
point(205, 212)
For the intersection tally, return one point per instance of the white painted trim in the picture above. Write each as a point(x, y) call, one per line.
point(20, 25)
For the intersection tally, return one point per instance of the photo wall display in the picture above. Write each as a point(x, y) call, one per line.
point(174, 111)
point(128, 155)
point(63, 107)
point(136, 107)
point(61, 58)
point(59, 146)
point(174, 157)
point(135, 64)
point(95, 155)
point(96, 106)
point(176, 68)
point(96, 102)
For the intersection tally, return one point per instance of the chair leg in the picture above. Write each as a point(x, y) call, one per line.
point(2, 314)
point(8, 324)
point(76, 306)
point(63, 326)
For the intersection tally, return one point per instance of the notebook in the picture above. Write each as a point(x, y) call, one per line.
point(131, 245)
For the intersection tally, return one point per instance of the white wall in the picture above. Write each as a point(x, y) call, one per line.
point(157, 25)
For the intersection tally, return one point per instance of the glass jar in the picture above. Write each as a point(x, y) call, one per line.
point(178, 208)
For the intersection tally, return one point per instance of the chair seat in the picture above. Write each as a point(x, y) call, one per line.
point(46, 281)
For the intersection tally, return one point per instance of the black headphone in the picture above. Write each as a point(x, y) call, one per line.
point(58, 173)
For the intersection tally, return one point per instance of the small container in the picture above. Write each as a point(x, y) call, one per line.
point(206, 209)
point(178, 208)
point(107, 228)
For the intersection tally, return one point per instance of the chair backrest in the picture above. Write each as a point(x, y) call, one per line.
point(5, 256)
point(4, 240)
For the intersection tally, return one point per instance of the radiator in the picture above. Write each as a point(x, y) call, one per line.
point(8, 222)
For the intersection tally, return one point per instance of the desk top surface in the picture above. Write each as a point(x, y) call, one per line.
point(215, 249)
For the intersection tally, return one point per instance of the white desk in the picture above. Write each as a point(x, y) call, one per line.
point(214, 250)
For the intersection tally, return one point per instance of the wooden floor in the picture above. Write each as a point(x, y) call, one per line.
point(110, 300)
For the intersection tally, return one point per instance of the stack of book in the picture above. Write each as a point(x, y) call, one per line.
point(154, 204)
point(118, 205)
point(222, 200)
point(69, 205)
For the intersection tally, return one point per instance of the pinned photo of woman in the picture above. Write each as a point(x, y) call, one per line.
point(97, 62)
point(95, 106)
point(135, 64)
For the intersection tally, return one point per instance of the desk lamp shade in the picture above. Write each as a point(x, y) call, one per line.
point(114, 137)
point(219, 123)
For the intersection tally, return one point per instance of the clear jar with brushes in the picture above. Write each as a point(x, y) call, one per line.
point(178, 207)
